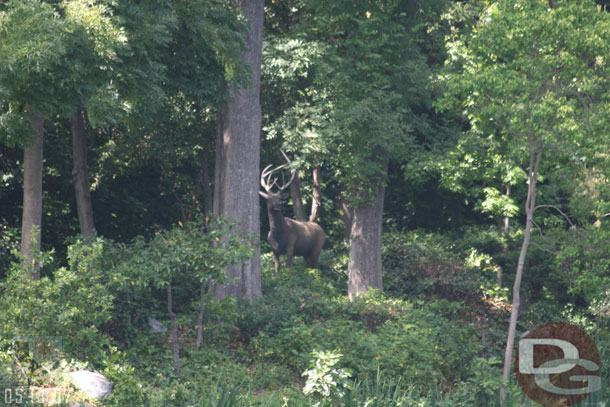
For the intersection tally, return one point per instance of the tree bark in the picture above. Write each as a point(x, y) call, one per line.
point(80, 173)
point(530, 207)
point(237, 159)
point(173, 330)
point(297, 199)
point(346, 213)
point(316, 202)
point(32, 192)
point(365, 267)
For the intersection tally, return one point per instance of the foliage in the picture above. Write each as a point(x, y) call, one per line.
point(371, 332)
point(360, 91)
point(195, 252)
point(345, 86)
point(324, 380)
point(70, 307)
point(419, 265)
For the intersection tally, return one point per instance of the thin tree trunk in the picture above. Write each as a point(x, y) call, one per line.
point(316, 202)
point(206, 190)
point(346, 213)
point(80, 174)
point(237, 159)
point(202, 293)
point(504, 230)
point(297, 199)
point(506, 218)
point(365, 268)
point(32, 192)
point(173, 330)
point(530, 207)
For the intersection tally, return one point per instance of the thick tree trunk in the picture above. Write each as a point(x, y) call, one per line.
point(297, 199)
point(32, 191)
point(530, 207)
point(173, 330)
point(80, 174)
point(316, 202)
point(237, 159)
point(365, 268)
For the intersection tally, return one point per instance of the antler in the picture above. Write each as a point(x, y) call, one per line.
point(268, 172)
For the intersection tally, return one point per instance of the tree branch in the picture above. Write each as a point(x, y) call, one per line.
point(543, 249)
point(561, 212)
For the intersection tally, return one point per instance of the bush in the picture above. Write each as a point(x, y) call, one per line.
point(67, 309)
point(421, 265)
point(372, 333)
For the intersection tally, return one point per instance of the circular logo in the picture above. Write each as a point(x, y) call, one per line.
point(558, 365)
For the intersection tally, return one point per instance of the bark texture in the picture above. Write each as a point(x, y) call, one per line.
point(365, 268)
point(297, 199)
point(530, 207)
point(346, 213)
point(32, 190)
point(316, 202)
point(80, 174)
point(237, 159)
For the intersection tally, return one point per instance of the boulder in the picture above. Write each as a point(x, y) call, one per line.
point(91, 383)
point(156, 326)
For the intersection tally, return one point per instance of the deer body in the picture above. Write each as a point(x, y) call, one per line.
point(288, 236)
point(294, 238)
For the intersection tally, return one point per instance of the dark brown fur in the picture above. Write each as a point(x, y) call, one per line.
point(292, 237)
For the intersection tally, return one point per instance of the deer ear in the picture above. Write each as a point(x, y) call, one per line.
point(285, 195)
point(264, 195)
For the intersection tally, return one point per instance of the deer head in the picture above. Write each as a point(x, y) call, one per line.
point(268, 181)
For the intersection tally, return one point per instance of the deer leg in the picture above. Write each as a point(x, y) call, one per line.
point(276, 260)
point(289, 252)
point(314, 255)
point(312, 261)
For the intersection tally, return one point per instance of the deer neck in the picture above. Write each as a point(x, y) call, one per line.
point(276, 220)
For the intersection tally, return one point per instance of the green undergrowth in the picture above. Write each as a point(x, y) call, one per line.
point(433, 338)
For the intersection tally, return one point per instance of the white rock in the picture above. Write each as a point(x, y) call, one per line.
point(92, 383)
point(156, 326)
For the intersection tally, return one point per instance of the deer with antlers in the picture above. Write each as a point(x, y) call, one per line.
point(288, 236)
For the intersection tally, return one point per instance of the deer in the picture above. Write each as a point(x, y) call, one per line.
point(288, 236)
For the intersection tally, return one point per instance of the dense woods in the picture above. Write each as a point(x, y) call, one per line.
point(451, 157)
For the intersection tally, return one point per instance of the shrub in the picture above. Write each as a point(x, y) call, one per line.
point(67, 309)
point(418, 265)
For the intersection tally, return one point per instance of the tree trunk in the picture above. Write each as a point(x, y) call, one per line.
point(297, 199)
point(32, 192)
point(237, 159)
point(503, 231)
point(530, 206)
point(206, 190)
point(346, 213)
point(316, 202)
point(202, 293)
point(80, 174)
point(173, 330)
point(365, 268)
